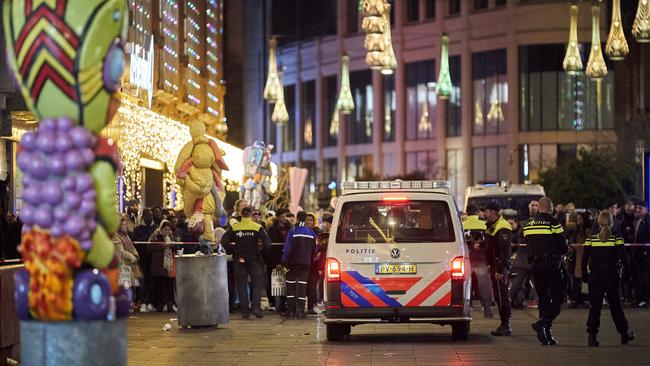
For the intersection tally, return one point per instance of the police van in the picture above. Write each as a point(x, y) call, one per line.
point(396, 254)
point(514, 197)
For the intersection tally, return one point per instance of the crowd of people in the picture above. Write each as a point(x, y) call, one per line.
point(258, 244)
point(543, 255)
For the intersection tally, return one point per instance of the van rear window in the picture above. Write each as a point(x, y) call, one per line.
point(395, 222)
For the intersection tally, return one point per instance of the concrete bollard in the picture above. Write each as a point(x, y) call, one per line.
point(202, 290)
point(73, 343)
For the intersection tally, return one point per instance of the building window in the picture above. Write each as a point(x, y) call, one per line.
point(454, 174)
point(308, 114)
point(358, 167)
point(490, 164)
point(490, 92)
point(412, 10)
point(480, 4)
point(552, 100)
point(421, 162)
point(430, 9)
point(420, 100)
point(453, 105)
point(500, 2)
point(331, 171)
point(308, 195)
point(353, 16)
point(454, 7)
point(390, 107)
point(360, 121)
point(289, 129)
point(390, 164)
point(331, 86)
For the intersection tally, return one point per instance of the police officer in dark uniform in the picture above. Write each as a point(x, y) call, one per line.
point(474, 229)
point(600, 269)
point(547, 246)
point(247, 259)
point(298, 254)
point(499, 249)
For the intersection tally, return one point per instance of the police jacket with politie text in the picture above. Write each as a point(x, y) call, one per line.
point(499, 245)
point(545, 238)
point(245, 234)
point(475, 229)
point(602, 254)
point(300, 247)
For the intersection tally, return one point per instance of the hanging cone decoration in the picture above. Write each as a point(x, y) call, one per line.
point(390, 62)
point(444, 86)
point(425, 123)
point(572, 63)
point(616, 48)
point(641, 26)
point(273, 88)
point(334, 125)
point(374, 25)
point(280, 114)
point(345, 103)
point(596, 67)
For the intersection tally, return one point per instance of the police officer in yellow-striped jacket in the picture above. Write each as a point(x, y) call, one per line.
point(547, 247)
point(601, 262)
point(474, 229)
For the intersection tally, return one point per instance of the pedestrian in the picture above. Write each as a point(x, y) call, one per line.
point(131, 215)
point(298, 255)
point(522, 272)
point(141, 235)
point(474, 229)
point(278, 231)
point(579, 236)
point(499, 249)
point(641, 264)
point(158, 215)
point(600, 267)
point(247, 260)
point(162, 267)
point(547, 247)
point(130, 271)
point(236, 215)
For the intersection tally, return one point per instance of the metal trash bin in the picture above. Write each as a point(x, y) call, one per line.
point(73, 343)
point(202, 290)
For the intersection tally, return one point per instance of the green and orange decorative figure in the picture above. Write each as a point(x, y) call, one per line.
point(67, 57)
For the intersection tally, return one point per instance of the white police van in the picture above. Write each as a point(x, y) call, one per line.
point(396, 254)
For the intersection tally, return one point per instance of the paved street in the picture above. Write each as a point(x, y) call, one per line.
point(275, 341)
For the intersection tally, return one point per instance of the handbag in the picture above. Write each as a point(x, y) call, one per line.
point(278, 283)
point(126, 275)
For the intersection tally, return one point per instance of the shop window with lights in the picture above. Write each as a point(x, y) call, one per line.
point(390, 107)
point(421, 162)
point(454, 7)
point(552, 100)
point(453, 105)
point(360, 121)
point(289, 129)
point(490, 102)
point(331, 94)
point(331, 170)
point(358, 167)
point(490, 164)
point(421, 100)
point(308, 114)
point(412, 10)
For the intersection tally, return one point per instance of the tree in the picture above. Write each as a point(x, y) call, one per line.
point(594, 179)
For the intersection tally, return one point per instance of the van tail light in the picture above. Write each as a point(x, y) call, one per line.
point(458, 268)
point(333, 270)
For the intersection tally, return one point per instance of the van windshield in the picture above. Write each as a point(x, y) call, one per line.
point(518, 203)
point(395, 222)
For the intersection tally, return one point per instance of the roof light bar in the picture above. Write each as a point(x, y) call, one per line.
point(396, 184)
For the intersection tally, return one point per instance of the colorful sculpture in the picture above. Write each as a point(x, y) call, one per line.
point(68, 57)
point(198, 172)
point(257, 174)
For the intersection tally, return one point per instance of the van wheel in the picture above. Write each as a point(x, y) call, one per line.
point(336, 332)
point(460, 331)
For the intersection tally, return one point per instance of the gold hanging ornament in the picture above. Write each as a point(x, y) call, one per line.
point(273, 87)
point(425, 123)
point(334, 125)
point(596, 67)
point(572, 63)
point(280, 114)
point(345, 103)
point(641, 26)
point(389, 60)
point(616, 47)
point(374, 25)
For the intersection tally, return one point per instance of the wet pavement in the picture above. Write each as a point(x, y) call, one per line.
point(276, 341)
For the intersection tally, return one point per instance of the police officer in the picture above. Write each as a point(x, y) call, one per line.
point(298, 254)
point(499, 249)
point(474, 229)
point(547, 246)
point(600, 269)
point(245, 234)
